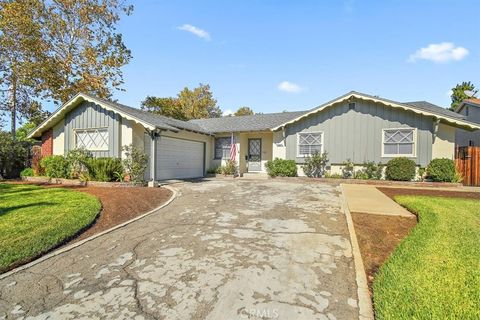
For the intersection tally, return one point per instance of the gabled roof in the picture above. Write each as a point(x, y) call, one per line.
point(421, 107)
point(257, 122)
point(471, 102)
point(148, 120)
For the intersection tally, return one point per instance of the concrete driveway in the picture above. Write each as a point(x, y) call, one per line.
point(224, 249)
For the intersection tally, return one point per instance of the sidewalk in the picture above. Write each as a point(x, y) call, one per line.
point(368, 199)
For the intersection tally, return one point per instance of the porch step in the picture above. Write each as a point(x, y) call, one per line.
point(255, 175)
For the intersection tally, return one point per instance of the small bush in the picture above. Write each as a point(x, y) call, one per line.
point(348, 169)
point(361, 175)
point(333, 175)
point(441, 170)
point(212, 170)
point(135, 163)
point(315, 165)
point(400, 169)
point(281, 168)
point(104, 169)
point(230, 168)
point(27, 172)
point(373, 170)
point(55, 167)
point(77, 159)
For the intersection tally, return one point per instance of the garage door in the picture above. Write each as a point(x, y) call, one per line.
point(179, 159)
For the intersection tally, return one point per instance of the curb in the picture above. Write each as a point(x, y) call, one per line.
point(364, 300)
point(79, 243)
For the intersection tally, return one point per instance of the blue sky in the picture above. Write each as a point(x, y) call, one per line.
point(294, 55)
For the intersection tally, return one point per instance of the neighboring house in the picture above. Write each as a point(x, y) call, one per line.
point(354, 126)
point(470, 110)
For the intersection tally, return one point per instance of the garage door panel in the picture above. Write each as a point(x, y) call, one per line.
point(177, 158)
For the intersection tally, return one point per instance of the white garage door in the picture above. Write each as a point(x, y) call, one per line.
point(179, 159)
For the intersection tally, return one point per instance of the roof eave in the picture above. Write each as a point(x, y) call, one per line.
point(357, 95)
point(72, 103)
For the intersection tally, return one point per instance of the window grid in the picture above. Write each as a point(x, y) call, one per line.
point(309, 143)
point(398, 142)
point(92, 139)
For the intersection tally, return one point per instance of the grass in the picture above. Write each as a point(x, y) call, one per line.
point(33, 220)
point(435, 272)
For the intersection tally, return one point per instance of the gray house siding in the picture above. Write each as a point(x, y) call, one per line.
point(463, 137)
point(89, 115)
point(357, 134)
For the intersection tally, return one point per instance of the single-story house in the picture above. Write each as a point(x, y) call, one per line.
point(355, 126)
point(470, 110)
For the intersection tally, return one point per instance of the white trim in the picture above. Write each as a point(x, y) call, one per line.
point(298, 142)
point(357, 95)
point(414, 149)
point(71, 104)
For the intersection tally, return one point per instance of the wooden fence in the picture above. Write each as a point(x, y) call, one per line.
point(467, 160)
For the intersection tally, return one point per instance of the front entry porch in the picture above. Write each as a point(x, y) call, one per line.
point(255, 149)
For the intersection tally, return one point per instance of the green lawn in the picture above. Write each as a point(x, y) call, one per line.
point(435, 272)
point(33, 220)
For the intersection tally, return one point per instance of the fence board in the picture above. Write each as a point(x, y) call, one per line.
point(467, 160)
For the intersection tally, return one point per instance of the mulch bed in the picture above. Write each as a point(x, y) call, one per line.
point(122, 204)
point(379, 235)
point(391, 192)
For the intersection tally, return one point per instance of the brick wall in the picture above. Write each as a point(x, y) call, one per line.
point(47, 143)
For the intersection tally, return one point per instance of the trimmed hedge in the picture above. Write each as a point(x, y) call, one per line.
point(442, 170)
point(281, 168)
point(400, 169)
point(55, 167)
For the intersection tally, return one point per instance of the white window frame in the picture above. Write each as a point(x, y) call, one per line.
point(76, 130)
point(224, 153)
point(414, 147)
point(298, 143)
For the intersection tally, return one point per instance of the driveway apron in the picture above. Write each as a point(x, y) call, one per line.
point(224, 249)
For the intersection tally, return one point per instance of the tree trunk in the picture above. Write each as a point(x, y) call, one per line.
point(13, 107)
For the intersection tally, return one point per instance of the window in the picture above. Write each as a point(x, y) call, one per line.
point(309, 143)
point(222, 148)
point(92, 139)
point(398, 142)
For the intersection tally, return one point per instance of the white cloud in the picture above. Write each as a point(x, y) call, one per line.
point(196, 31)
point(289, 87)
point(439, 53)
point(227, 113)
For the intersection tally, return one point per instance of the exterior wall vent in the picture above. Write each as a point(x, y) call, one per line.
point(351, 106)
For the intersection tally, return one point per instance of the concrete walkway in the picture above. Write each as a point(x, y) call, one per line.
point(223, 249)
point(368, 199)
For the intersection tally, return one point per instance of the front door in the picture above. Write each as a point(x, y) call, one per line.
point(254, 155)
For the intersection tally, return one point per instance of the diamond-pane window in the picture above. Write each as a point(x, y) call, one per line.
point(92, 139)
point(309, 143)
point(398, 142)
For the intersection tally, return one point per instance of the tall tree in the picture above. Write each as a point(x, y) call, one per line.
point(458, 93)
point(165, 106)
point(189, 104)
point(22, 56)
point(86, 49)
point(244, 111)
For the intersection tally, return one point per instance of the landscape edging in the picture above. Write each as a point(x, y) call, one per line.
point(364, 300)
point(81, 242)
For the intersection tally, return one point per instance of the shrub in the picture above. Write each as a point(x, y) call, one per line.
point(55, 166)
point(333, 175)
point(212, 170)
point(315, 165)
point(400, 169)
point(135, 163)
point(77, 159)
point(14, 155)
point(361, 175)
point(230, 168)
point(371, 170)
point(104, 169)
point(348, 169)
point(441, 170)
point(27, 172)
point(281, 168)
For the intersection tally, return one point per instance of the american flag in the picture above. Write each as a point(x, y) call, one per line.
point(233, 150)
